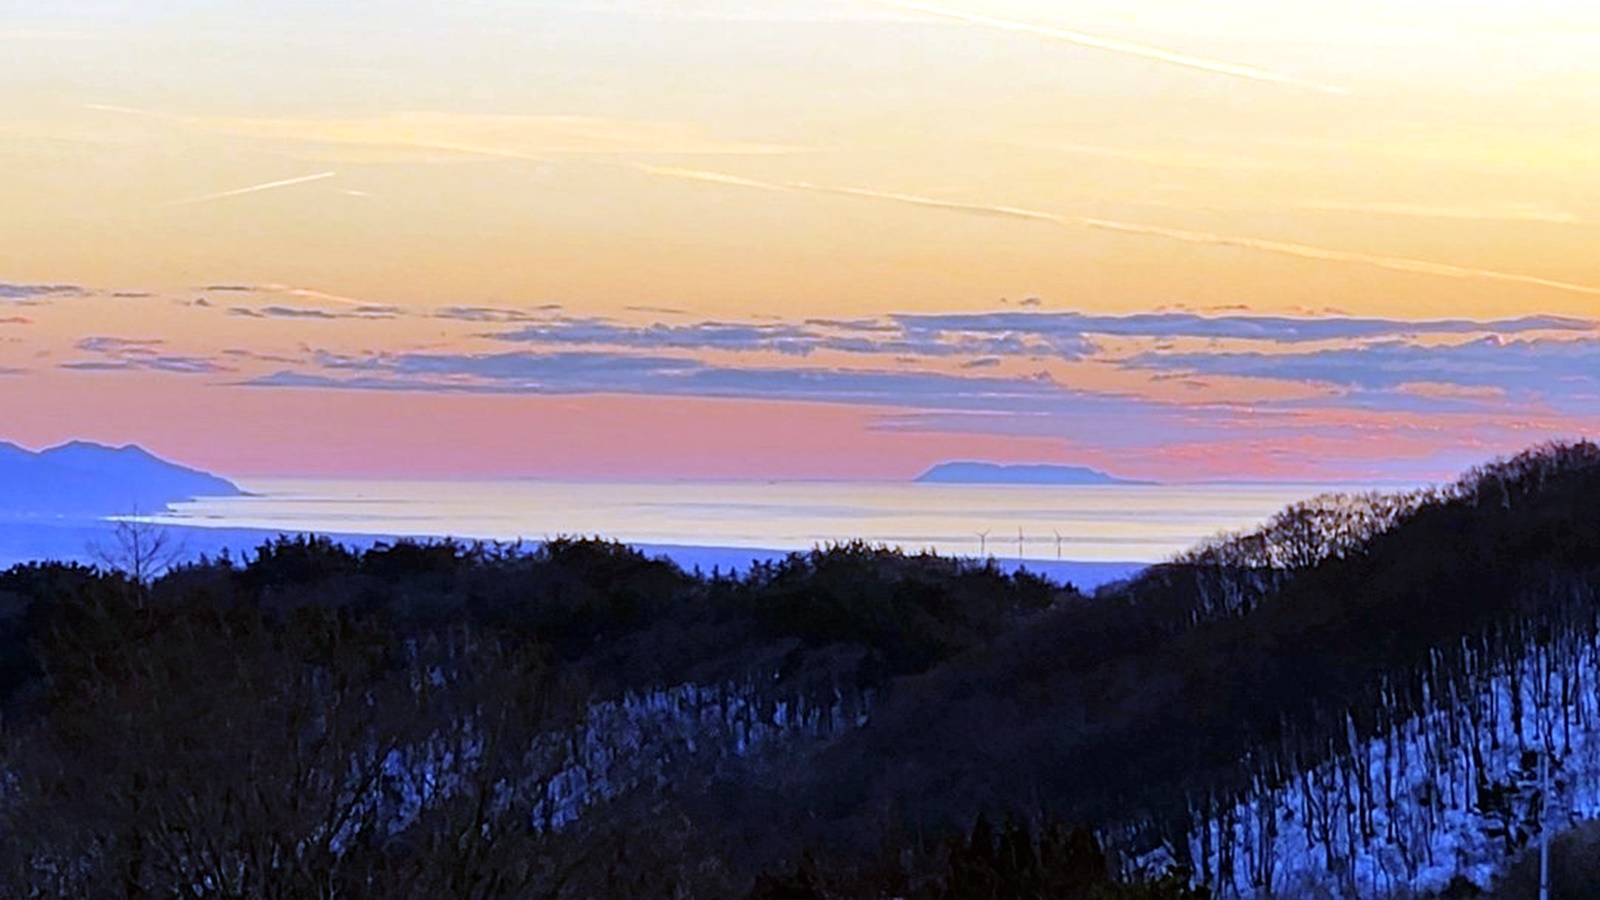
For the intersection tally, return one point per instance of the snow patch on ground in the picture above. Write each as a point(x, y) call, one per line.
point(1454, 790)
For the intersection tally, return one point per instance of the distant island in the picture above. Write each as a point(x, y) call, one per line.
point(83, 479)
point(996, 473)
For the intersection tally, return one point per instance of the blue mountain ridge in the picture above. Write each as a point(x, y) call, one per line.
point(83, 479)
point(964, 472)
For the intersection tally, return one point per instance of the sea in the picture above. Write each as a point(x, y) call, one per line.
point(1087, 534)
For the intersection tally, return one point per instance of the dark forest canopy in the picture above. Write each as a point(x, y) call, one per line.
point(201, 727)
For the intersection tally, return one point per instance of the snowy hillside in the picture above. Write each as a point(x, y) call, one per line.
point(1450, 791)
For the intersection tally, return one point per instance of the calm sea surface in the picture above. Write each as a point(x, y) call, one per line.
point(1141, 524)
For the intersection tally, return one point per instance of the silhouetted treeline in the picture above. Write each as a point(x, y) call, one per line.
point(584, 600)
point(439, 719)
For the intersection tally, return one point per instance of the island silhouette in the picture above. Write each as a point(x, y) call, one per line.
point(969, 472)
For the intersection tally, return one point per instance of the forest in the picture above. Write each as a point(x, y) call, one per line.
point(1374, 695)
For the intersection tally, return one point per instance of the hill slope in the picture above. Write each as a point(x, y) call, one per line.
point(1350, 700)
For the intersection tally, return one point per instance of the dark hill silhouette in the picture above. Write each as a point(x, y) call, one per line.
point(1222, 676)
point(82, 479)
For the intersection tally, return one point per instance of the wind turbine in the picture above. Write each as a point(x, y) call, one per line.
point(983, 544)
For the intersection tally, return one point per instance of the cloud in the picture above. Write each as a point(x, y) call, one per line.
point(788, 339)
point(1024, 372)
point(365, 311)
point(279, 312)
point(804, 339)
point(1564, 373)
point(1362, 363)
point(996, 335)
point(1276, 329)
point(1264, 245)
point(1114, 45)
point(118, 345)
point(293, 291)
point(600, 372)
point(118, 354)
point(242, 353)
point(306, 380)
point(493, 313)
point(917, 400)
point(33, 292)
point(177, 365)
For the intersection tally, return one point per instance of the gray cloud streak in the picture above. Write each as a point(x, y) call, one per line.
point(37, 292)
point(368, 312)
point(1058, 335)
point(1525, 368)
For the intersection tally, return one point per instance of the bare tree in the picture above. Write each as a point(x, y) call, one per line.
point(138, 548)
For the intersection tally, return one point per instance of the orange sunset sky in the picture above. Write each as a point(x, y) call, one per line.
point(801, 238)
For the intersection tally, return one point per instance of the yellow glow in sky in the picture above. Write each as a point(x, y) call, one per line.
point(730, 160)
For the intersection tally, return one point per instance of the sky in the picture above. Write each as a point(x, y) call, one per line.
point(773, 239)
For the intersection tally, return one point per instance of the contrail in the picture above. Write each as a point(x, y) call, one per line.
point(291, 290)
point(1009, 212)
point(271, 185)
point(1284, 248)
point(714, 178)
point(1307, 251)
point(979, 209)
point(1114, 45)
